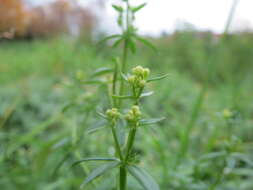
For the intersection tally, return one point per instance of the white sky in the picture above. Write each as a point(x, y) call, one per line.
point(162, 15)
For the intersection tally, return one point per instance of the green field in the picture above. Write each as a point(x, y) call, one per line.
point(205, 143)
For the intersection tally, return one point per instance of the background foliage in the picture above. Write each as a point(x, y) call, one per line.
point(208, 150)
point(47, 20)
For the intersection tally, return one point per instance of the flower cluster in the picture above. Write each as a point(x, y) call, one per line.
point(133, 114)
point(139, 77)
point(112, 114)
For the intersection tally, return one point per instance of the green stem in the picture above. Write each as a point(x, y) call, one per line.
point(125, 51)
point(123, 171)
point(125, 54)
point(231, 16)
point(123, 69)
point(123, 178)
point(114, 84)
point(137, 100)
point(130, 143)
point(117, 145)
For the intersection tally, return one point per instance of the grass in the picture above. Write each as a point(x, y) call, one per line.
point(38, 140)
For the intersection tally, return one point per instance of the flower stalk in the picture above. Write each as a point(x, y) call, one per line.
point(116, 116)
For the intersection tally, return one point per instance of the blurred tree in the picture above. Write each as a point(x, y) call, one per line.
point(13, 16)
point(60, 17)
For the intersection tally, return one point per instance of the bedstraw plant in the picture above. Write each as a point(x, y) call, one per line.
point(125, 88)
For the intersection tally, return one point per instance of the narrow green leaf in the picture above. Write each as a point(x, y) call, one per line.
point(212, 155)
point(145, 94)
point(132, 45)
point(117, 42)
point(151, 121)
point(146, 42)
point(145, 180)
point(122, 97)
point(109, 38)
point(102, 71)
point(60, 163)
point(97, 126)
point(100, 171)
point(62, 143)
point(118, 8)
point(94, 159)
point(139, 7)
point(120, 20)
point(157, 78)
point(243, 157)
point(243, 172)
point(93, 130)
point(67, 107)
point(101, 115)
point(124, 76)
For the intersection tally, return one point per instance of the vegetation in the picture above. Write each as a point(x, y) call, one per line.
point(50, 97)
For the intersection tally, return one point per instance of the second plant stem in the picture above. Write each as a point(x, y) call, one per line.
point(123, 170)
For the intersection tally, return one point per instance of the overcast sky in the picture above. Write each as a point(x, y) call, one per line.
point(163, 15)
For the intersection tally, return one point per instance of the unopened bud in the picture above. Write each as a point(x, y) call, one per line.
point(136, 111)
point(146, 72)
point(134, 114)
point(129, 116)
point(142, 83)
point(131, 79)
point(113, 113)
point(138, 71)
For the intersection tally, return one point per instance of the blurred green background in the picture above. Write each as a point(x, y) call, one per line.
point(207, 102)
point(48, 118)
